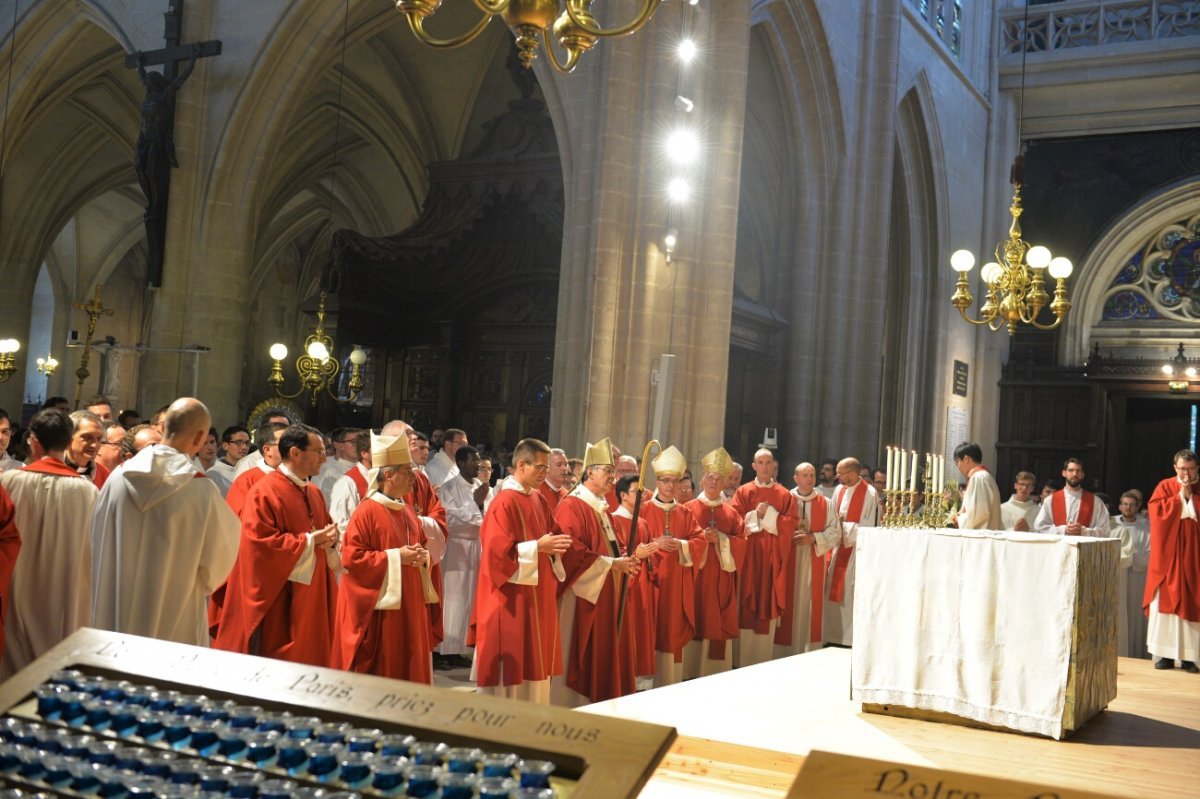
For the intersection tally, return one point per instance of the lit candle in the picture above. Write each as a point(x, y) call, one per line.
point(891, 476)
point(914, 471)
point(903, 464)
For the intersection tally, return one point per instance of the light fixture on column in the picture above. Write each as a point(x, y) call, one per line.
point(669, 242)
point(1179, 372)
point(1016, 285)
point(47, 365)
point(8, 358)
point(536, 24)
point(316, 366)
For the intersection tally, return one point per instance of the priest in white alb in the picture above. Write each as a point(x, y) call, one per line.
point(351, 488)
point(818, 531)
point(981, 501)
point(51, 591)
point(1021, 510)
point(462, 495)
point(162, 537)
point(1073, 510)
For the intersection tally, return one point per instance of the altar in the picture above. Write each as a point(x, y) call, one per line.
point(1007, 629)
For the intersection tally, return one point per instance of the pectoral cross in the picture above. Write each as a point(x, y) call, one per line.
point(94, 310)
point(155, 154)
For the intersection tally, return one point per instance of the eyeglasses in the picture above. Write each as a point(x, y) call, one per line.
point(239, 442)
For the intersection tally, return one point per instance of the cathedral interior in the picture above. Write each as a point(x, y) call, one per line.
point(511, 249)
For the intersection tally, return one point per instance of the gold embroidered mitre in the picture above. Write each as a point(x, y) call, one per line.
point(669, 463)
point(598, 454)
point(387, 451)
point(717, 462)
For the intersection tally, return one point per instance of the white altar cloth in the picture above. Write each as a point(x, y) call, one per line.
point(974, 623)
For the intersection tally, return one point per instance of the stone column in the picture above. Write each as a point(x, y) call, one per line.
point(620, 304)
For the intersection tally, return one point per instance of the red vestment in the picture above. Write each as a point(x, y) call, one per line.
point(821, 509)
point(641, 613)
point(390, 643)
point(359, 481)
point(423, 499)
point(675, 622)
point(552, 496)
point(854, 511)
point(1058, 507)
point(240, 487)
point(763, 582)
point(717, 599)
point(597, 666)
point(514, 628)
point(264, 612)
point(99, 474)
point(10, 546)
point(1174, 569)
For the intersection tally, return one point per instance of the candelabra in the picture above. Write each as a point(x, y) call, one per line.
point(47, 365)
point(316, 366)
point(913, 498)
point(8, 358)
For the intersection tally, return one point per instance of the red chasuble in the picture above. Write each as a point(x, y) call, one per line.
point(390, 643)
point(99, 474)
point(763, 582)
point(597, 666)
point(10, 545)
point(514, 628)
point(717, 600)
point(264, 612)
point(639, 622)
point(1058, 507)
point(819, 518)
point(424, 501)
point(1174, 569)
point(676, 595)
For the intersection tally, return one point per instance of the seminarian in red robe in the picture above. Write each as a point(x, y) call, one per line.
point(382, 622)
point(681, 543)
point(717, 600)
point(638, 623)
point(514, 626)
point(281, 595)
point(763, 580)
point(10, 546)
point(423, 499)
point(1172, 598)
point(599, 664)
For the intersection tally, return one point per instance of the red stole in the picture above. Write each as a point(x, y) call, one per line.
point(360, 482)
point(783, 632)
point(837, 586)
point(1058, 507)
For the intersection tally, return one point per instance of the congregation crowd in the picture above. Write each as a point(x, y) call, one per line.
point(552, 578)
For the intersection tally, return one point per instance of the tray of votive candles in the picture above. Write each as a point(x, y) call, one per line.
point(85, 735)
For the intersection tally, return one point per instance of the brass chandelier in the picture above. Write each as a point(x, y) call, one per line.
point(1016, 286)
point(533, 23)
point(1016, 283)
point(317, 367)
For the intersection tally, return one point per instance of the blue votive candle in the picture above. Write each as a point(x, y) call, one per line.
point(68, 677)
point(422, 781)
point(158, 764)
point(292, 756)
point(535, 773)
point(122, 719)
point(216, 778)
point(244, 784)
point(389, 774)
point(332, 733)
point(463, 759)
point(115, 690)
point(303, 727)
point(149, 725)
point(456, 785)
point(322, 759)
point(177, 729)
point(128, 758)
point(186, 771)
point(499, 764)
point(191, 704)
point(49, 700)
point(218, 709)
point(205, 735)
point(112, 783)
point(363, 740)
point(58, 772)
point(70, 709)
point(496, 787)
point(9, 759)
point(161, 700)
point(276, 789)
point(354, 768)
point(397, 745)
point(85, 778)
point(52, 740)
point(261, 749)
point(231, 744)
point(143, 787)
point(244, 716)
point(427, 753)
point(29, 763)
point(103, 753)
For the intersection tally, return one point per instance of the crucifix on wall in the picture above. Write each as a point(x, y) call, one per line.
point(155, 154)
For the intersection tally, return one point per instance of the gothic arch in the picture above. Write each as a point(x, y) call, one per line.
point(1109, 255)
point(913, 340)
